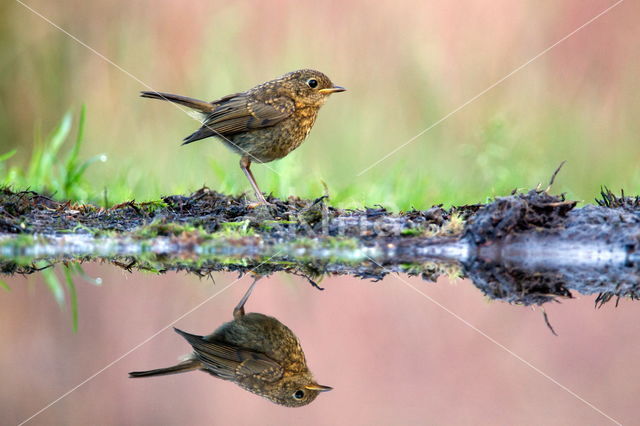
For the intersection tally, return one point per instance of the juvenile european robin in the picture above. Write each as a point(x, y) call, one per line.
point(264, 123)
point(255, 351)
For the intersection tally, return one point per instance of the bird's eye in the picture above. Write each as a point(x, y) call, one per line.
point(299, 394)
point(313, 83)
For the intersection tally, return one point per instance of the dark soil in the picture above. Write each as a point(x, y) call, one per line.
point(537, 219)
point(491, 231)
point(32, 213)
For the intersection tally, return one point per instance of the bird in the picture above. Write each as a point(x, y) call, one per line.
point(255, 351)
point(264, 123)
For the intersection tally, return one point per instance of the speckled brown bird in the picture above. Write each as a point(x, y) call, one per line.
point(264, 123)
point(255, 351)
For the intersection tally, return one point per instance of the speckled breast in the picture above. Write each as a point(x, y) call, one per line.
point(272, 143)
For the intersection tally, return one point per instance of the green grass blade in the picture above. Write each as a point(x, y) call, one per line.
point(4, 285)
point(79, 270)
point(75, 176)
point(73, 297)
point(6, 156)
point(44, 156)
point(71, 176)
point(60, 134)
point(75, 150)
point(54, 285)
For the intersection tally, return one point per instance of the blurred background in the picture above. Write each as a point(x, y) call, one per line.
point(406, 65)
point(392, 355)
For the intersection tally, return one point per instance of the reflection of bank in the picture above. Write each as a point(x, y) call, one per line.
point(255, 351)
point(538, 247)
point(526, 247)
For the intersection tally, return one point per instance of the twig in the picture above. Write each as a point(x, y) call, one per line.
point(553, 176)
point(546, 317)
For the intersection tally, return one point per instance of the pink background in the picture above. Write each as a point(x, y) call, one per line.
point(392, 355)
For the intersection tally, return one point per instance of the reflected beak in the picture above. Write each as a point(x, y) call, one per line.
point(319, 388)
point(331, 90)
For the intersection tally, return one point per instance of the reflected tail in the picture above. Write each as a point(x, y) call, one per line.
point(183, 367)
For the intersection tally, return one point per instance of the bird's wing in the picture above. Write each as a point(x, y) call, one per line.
point(241, 113)
point(232, 363)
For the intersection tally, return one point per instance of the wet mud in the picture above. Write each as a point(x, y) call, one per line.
point(31, 213)
point(533, 248)
point(527, 248)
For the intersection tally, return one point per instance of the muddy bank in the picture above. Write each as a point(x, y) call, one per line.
point(534, 247)
point(31, 213)
point(526, 248)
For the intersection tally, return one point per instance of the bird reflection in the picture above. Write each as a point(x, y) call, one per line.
point(255, 351)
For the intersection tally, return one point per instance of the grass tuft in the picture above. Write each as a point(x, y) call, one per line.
point(52, 171)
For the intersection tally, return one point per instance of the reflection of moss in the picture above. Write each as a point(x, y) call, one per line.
point(190, 247)
point(163, 228)
point(326, 250)
point(268, 225)
point(20, 240)
point(343, 243)
point(432, 270)
point(412, 232)
point(194, 247)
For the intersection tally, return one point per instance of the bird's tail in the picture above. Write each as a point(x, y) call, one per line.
point(188, 365)
point(182, 100)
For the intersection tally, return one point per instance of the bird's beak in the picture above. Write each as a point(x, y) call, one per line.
point(331, 90)
point(319, 388)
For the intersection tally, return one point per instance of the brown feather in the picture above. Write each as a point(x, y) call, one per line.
point(241, 113)
point(229, 362)
point(188, 365)
point(182, 100)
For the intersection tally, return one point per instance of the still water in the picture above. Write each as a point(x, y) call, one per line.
point(410, 328)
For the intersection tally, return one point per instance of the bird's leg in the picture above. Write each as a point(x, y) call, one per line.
point(238, 311)
point(245, 165)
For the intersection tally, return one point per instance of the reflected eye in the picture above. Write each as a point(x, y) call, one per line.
point(313, 83)
point(299, 394)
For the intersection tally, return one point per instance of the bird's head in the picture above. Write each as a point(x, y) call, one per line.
point(296, 390)
point(309, 87)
